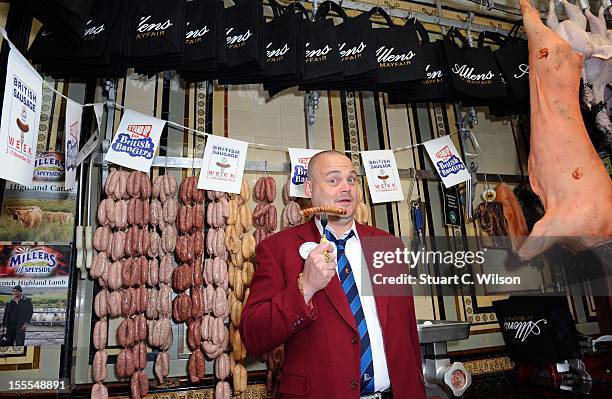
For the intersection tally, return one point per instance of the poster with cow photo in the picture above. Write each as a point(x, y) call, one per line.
point(33, 294)
point(43, 212)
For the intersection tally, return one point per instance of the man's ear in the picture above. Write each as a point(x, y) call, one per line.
point(308, 188)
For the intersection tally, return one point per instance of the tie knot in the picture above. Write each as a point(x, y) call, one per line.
point(340, 243)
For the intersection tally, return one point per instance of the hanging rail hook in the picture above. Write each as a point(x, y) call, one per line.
point(473, 141)
point(413, 183)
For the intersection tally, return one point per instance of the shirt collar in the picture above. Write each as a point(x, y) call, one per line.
point(331, 229)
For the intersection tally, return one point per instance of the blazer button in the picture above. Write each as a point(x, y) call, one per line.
point(354, 340)
point(354, 384)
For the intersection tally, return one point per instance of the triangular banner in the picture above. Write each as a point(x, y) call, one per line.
point(20, 119)
point(135, 141)
point(223, 164)
point(72, 132)
point(300, 158)
point(447, 161)
point(383, 177)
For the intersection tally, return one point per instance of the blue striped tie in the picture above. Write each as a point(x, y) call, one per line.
point(347, 279)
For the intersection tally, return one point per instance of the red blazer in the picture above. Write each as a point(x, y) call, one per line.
point(322, 352)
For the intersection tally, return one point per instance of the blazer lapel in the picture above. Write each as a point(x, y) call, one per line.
point(337, 297)
point(333, 291)
point(381, 301)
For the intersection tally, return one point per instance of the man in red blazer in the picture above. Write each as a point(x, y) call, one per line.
point(302, 304)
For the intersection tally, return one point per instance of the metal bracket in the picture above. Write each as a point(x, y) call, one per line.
point(109, 89)
point(468, 140)
point(312, 104)
point(424, 16)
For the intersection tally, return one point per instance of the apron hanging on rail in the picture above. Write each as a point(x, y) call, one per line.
point(474, 74)
point(400, 56)
point(435, 87)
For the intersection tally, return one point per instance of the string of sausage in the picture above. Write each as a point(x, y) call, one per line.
point(163, 215)
point(265, 215)
point(188, 276)
point(291, 215)
point(101, 270)
point(122, 237)
point(241, 244)
point(133, 331)
point(214, 333)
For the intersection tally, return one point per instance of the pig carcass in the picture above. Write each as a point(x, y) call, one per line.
point(564, 168)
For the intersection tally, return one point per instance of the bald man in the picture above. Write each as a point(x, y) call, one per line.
point(339, 344)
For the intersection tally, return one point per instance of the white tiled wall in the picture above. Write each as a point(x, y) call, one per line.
point(399, 134)
point(140, 93)
point(497, 144)
point(277, 121)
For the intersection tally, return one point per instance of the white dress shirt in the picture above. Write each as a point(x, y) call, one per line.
point(368, 303)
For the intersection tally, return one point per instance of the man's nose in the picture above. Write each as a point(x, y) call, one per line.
point(345, 186)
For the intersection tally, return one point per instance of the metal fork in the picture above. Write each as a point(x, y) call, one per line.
point(324, 221)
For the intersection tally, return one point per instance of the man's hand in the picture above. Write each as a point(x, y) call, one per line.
point(317, 271)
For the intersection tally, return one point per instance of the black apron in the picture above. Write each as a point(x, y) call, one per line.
point(512, 59)
point(287, 26)
point(474, 74)
point(65, 17)
point(321, 55)
point(204, 35)
point(400, 56)
point(244, 42)
point(356, 46)
point(281, 47)
point(281, 50)
point(157, 39)
point(435, 87)
point(204, 57)
point(91, 57)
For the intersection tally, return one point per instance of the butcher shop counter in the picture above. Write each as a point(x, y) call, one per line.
point(443, 379)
